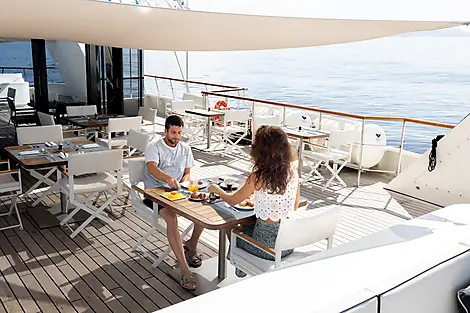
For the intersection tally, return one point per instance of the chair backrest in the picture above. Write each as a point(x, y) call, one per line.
point(148, 114)
point(80, 110)
point(340, 138)
point(46, 119)
point(300, 231)
point(138, 140)
point(37, 134)
point(95, 162)
point(236, 115)
point(11, 93)
point(198, 100)
point(180, 106)
point(124, 124)
point(258, 121)
point(136, 170)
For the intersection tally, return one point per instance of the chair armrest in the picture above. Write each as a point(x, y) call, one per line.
point(4, 161)
point(315, 145)
point(72, 129)
point(63, 170)
point(9, 172)
point(138, 189)
point(25, 109)
point(133, 156)
point(241, 235)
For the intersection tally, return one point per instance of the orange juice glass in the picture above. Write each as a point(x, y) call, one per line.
point(193, 188)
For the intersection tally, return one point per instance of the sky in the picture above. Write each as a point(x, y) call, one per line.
point(425, 10)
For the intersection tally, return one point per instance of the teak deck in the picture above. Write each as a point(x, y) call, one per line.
point(43, 270)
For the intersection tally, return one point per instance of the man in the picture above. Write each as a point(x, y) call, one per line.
point(169, 162)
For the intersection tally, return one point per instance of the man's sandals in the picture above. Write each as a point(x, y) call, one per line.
point(188, 282)
point(192, 257)
point(194, 260)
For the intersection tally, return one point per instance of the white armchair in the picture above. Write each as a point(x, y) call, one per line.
point(107, 166)
point(235, 122)
point(332, 153)
point(136, 177)
point(112, 137)
point(10, 188)
point(40, 134)
point(299, 231)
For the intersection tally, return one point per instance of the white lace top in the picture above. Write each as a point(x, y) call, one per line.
point(276, 206)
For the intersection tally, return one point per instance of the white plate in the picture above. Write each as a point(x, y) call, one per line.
point(198, 199)
point(244, 208)
point(204, 184)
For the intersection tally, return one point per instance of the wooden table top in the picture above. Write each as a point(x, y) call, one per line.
point(92, 122)
point(197, 212)
point(42, 162)
point(205, 113)
point(305, 133)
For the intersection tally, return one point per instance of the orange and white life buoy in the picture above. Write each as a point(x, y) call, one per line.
point(220, 105)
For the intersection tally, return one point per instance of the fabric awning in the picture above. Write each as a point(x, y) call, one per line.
point(149, 28)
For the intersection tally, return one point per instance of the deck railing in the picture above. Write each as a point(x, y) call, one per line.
point(224, 93)
point(24, 70)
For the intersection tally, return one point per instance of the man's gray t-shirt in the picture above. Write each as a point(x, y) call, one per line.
point(171, 160)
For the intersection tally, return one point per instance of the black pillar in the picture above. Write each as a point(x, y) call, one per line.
point(92, 78)
point(41, 94)
point(114, 86)
point(141, 78)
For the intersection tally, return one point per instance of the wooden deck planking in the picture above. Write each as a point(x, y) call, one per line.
point(98, 271)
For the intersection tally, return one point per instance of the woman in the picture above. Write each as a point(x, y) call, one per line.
point(275, 184)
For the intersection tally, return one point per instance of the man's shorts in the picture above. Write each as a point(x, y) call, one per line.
point(149, 203)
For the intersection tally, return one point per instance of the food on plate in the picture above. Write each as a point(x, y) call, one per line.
point(246, 203)
point(194, 195)
point(200, 182)
point(202, 195)
point(174, 192)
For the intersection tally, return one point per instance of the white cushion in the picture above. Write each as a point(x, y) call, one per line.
point(116, 141)
point(245, 258)
point(7, 183)
point(92, 183)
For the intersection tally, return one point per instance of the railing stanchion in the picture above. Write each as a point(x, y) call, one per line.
point(402, 142)
point(360, 154)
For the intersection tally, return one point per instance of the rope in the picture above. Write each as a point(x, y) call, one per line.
point(433, 153)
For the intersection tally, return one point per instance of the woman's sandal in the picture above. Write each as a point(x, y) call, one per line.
point(193, 259)
point(188, 282)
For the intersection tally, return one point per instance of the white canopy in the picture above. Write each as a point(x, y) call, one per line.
point(149, 28)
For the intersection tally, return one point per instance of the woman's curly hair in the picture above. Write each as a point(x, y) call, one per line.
point(271, 156)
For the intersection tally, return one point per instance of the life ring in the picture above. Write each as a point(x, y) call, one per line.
point(220, 105)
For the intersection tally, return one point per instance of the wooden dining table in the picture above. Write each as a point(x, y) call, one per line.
point(216, 216)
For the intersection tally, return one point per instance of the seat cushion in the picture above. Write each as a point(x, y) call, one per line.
point(98, 182)
point(260, 265)
point(116, 141)
point(8, 183)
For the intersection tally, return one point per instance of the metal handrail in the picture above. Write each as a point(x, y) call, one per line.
point(362, 118)
point(193, 82)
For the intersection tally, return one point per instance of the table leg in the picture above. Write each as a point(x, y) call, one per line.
point(208, 132)
point(300, 156)
point(222, 268)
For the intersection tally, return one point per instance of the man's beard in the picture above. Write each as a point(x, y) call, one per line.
point(173, 142)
